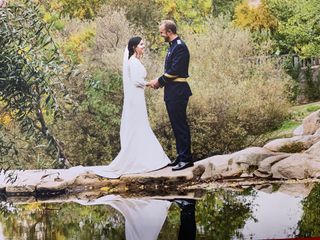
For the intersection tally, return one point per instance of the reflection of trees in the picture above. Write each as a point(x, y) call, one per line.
point(63, 221)
point(309, 225)
point(219, 215)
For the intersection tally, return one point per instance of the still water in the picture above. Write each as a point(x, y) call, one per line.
point(261, 212)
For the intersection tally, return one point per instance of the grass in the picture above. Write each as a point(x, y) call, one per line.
point(297, 114)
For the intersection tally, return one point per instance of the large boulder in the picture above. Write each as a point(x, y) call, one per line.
point(214, 166)
point(264, 169)
point(311, 123)
point(292, 145)
point(293, 167)
point(251, 156)
point(242, 163)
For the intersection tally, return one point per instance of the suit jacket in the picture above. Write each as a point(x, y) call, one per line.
point(176, 67)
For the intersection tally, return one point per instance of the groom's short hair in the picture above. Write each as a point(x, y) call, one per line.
point(169, 25)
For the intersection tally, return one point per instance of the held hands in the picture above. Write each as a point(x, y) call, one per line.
point(153, 84)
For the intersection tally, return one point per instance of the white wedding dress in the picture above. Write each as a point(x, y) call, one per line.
point(140, 149)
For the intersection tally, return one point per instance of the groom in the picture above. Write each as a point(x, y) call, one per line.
point(176, 92)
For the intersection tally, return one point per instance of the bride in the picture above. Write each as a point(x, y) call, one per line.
point(140, 150)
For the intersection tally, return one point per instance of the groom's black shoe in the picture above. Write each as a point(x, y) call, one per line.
point(182, 165)
point(174, 163)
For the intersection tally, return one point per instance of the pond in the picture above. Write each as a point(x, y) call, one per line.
point(260, 212)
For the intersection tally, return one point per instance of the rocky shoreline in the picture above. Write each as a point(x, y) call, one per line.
point(294, 158)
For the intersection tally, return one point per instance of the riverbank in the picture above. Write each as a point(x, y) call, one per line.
point(293, 158)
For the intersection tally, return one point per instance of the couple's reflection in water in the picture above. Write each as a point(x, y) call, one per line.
point(187, 229)
point(144, 218)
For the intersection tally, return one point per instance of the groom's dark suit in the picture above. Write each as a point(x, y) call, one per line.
point(176, 95)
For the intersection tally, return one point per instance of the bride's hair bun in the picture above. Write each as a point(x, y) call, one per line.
point(132, 44)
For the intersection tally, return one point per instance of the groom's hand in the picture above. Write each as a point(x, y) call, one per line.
point(154, 84)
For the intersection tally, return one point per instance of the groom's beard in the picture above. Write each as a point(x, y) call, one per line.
point(166, 39)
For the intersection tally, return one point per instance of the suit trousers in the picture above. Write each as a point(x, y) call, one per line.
point(177, 111)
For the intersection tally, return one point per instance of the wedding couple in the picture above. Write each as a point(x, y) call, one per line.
point(140, 149)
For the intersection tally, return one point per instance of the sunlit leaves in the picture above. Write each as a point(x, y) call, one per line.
point(256, 18)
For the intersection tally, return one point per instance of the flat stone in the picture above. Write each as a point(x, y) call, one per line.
point(20, 189)
point(167, 173)
point(53, 186)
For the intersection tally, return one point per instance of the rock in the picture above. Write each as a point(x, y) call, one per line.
point(293, 167)
point(317, 132)
point(265, 165)
point(298, 131)
point(246, 175)
point(214, 166)
point(251, 156)
point(232, 173)
point(311, 123)
point(87, 179)
point(168, 175)
point(315, 151)
point(313, 168)
point(259, 174)
point(292, 145)
point(20, 189)
point(53, 186)
point(238, 164)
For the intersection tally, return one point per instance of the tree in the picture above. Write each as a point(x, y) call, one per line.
point(189, 14)
point(299, 29)
point(82, 9)
point(30, 67)
point(225, 7)
point(256, 18)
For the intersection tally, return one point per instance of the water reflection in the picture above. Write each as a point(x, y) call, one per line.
point(187, 230)
point(251, 213)
point(143, 217)
point(275, 215)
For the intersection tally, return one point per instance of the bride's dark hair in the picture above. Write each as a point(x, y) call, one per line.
point(132, 44)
